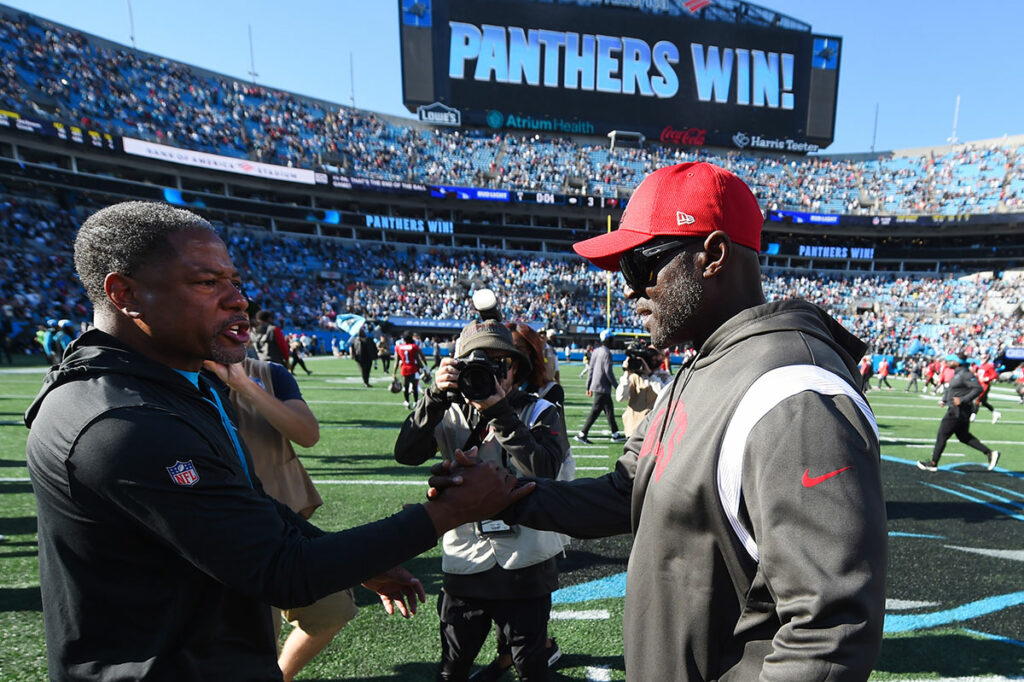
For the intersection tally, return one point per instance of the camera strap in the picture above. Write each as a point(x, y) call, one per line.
point(475, 439)
point(474, 435)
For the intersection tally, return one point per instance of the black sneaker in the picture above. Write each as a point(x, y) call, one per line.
point(618, 437)
point(929, 466)
point(582, 438)
point(993, 459)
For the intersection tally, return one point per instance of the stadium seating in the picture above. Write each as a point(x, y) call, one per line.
point(51, 71)
point(894, 313)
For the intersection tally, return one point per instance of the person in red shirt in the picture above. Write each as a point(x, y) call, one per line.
point(883, 373)
point(986, 374)
point(945, 376)
point(866, 370)
point(409, 359)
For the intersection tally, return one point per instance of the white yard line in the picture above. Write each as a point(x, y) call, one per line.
point(595, 614)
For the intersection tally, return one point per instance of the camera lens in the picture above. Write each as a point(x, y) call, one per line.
point(476, 382)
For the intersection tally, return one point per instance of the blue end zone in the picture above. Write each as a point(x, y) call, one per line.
point(612, 587)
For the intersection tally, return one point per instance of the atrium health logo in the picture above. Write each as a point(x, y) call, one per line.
point(740, 140)
point(495, 118)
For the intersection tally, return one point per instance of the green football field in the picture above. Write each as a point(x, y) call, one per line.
point(955, 608)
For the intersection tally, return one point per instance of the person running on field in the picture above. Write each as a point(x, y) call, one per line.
point(959, 398)
point(410, 360)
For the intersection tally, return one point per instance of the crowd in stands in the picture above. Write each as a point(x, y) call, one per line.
point(898, 315)
point(47, 70)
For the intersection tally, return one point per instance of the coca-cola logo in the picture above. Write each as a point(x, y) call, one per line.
point(693, 136)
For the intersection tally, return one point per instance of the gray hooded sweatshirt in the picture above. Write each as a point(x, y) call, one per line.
point(754, 495)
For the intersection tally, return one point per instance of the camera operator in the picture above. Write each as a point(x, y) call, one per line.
point(492, 571)
point(641, 383)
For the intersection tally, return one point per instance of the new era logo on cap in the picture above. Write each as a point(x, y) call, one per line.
point(684, 219)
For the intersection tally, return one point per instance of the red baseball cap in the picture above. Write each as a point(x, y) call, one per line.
point(685, 200)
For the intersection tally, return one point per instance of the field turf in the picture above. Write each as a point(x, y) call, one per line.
point(955, 606)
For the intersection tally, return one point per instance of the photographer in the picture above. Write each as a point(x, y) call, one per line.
point(641, 383)
point(492, 572)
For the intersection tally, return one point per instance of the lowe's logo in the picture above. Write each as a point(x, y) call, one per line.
point(439, 114)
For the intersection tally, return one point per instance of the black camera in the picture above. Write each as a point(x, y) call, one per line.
point(478, 375)
point(638, 353)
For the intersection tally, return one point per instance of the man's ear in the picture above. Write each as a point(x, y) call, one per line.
point(120, 290)
point(717, 248)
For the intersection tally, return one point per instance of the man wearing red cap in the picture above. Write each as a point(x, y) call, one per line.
point(753, 487)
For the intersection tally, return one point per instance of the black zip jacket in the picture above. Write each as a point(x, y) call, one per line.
point(157, 556)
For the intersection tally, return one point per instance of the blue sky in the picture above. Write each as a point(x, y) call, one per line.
point(911, 58)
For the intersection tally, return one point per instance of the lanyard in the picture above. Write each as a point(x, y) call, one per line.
point(231, 430)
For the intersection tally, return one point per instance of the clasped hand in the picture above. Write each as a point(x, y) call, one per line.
point(472, 490)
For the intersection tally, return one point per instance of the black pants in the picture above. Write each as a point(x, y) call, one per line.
point(297, 360)
point(602, 403)
point(465, 624)
point(412, 381)
point(385, 361)
point(884, 380)
point(364, 368)
point(983, 401)
point(957, 421)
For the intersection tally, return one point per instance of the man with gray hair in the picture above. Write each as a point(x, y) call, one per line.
point(158, 549)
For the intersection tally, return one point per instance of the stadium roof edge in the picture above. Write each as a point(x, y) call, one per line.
point(742, 12)
point(724, 11)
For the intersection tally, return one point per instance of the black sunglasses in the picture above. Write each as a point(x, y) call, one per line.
point(640, 266)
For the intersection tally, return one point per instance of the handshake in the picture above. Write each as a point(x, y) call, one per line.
point(465, 489)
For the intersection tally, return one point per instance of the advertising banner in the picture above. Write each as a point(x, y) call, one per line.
point(68, 132)
point(561, 69)
point(188, 157)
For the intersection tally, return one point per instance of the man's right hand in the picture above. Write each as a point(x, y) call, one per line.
point(446, 378)
point(472, 491)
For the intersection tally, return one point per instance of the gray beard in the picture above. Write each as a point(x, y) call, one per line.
point(225, 356)
point(680, 305)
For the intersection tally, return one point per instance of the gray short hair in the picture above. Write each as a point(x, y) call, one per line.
point(125, 237)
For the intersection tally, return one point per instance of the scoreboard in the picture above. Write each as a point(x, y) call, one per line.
point(557, 69)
